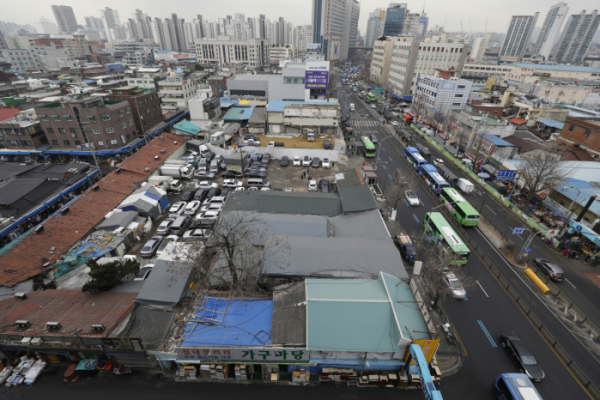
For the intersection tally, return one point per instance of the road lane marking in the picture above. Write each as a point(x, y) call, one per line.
point(570, 283)
point(406, 202)
point(379, 159)
point(488, 207)
point(484, 292)
point(391, 159)
point(487, 334)
point(420, 201)
point(390, 175)
point(383, 165)
point(416, 219)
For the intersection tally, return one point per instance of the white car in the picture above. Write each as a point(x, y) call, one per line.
point(296, 162)
point(192, 207)
point(312, 185)
point(438, 162)
point(165, 242)
point(206, 185)
point(265, 189)
point(395, 123)
point(193, 155)
point(215, 199)
point(232, 183)
point(212, 206)
point(306, 161)
point(239, 189)
point(456, 288)
point(177, 209)
point(288, 190)
point(373, 106)
point(412, 198)
point(210, 214)
point(252, 189)
point(144, 272)
point(325, 163)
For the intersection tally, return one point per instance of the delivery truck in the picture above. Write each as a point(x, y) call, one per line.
point(177, 171)
point(465, 186)
point(166, 183)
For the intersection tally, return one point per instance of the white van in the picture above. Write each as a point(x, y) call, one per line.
point(204, 149)
point(258, 183)
point(351, 106)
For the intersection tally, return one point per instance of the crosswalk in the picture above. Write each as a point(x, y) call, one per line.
point(365, 123)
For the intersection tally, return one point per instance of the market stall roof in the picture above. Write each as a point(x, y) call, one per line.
point(497, 140)
point(151, 325)
point(364, 315)
point(288, 326)
point(230, 323)
point(239, 113)
point(580, 191)
point(117, 220)
point(517, 121)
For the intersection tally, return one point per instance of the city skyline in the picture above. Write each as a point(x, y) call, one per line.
point(440, 13)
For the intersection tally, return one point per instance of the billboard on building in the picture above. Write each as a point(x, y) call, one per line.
point(316, 75)
point(313, 46)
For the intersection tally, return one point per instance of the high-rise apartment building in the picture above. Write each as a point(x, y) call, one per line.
point(374, 26)
point(394, 19)
point(550, 29)
point(577, 37)
point(480, 43)
point(45, 26)
point(112, 25)
point(65, 18)
point(411, 24)
point(94, 24)
point(517, 36)
point(226, 50)
point(302, 37)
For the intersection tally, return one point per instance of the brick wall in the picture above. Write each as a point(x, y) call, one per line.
point(585, 133)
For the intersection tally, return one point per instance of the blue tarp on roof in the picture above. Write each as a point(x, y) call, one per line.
point(551, 123)
point(239, 113)
point(580, 191)
point(245, 323)
point(496, 140)
point(89, 81)
point(226, 103)
point(397, 97)
point(408, 98)
point(586, 232)
point(96, 253)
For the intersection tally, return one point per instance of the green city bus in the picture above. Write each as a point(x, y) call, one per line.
point(463, 211)
point(371, 97)
point(369, 146)
point(437, 228)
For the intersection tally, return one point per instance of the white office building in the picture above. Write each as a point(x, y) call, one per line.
point(282, 53)
point(47, 58)
point(517, 36)
point(550, 29)
point(145, 78)
point(480, 44)
point(176, 91)
point(442, 94)
point(302, 37)
point(225, 50)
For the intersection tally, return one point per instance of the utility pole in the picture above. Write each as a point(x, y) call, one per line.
point(526, 244)
point(83, 125)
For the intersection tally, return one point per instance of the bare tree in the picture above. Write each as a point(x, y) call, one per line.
point(418, 105)
point(401, 182)
point(241, 244)
point(460, 131)
point(541, 171)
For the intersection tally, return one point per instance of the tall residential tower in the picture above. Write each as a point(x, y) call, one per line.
point(65, 18)
point(517, 36)
point(551, 28)
point(577, 37)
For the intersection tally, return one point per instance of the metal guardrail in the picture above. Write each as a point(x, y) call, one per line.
point(564, 357)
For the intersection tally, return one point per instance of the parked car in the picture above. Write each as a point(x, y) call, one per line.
point(521, 356)
point(252, 142)
point(231, 174)
point(210, 214)
point(255, 174)
point(325, 163)
point(225, 192)
point(324, 186)
point(326, 144)
point(177, 209)
point(196, 234)
point(204, 174)
point(151, 246)
point(213, 192)
point(553, 271)
point(212, 206)
point(202, 224)
point(168, 239)
point(188, 195)
point(395, 123)
point(144, 272)
point(296, 162)
point(209, 157)
point(200, 194)
point(232, 183)
point(373, 106)
point(316, 162)
point(454, 284)
point(412, 198)
point(285, 161)
point(192, 207)
point(306, 161)
point(373, 138)
point(164, 226)
point(257, 157)
point(240, 189)
point(312, 185)
point(266, 158)
point(206, 185)
point(289, 189)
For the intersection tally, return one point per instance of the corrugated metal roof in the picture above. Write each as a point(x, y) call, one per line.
point(239, 113)
point(552, 123)
point(188, 127)
point(580, 191)
point(357, 198)
point(285, 202)
point(288, 326)
point(497, 140)
point(361, 315)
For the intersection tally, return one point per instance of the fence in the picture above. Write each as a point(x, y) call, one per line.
point(577, 372)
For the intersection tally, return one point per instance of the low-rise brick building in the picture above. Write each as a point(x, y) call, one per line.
point(72, 123)
point(145, 106)
point(584, 132)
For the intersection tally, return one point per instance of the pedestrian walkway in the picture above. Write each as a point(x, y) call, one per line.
point(365, 123)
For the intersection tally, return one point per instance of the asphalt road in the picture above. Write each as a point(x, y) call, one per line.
point(488, 311)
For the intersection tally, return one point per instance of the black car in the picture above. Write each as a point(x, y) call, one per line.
point(255, 174)
point(553, 271)
point(266, 158)
point(373, 138)
point(151, 246)
point(285, 161)
point(213, 192)
point(200, 194)
point(324, 186)
point(521, 356)
point(316, 162)
point(231, 175)
point(225, 192)
point(203, 223)
point(188, 195)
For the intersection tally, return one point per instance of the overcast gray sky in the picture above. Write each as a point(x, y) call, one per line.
point(472, 13)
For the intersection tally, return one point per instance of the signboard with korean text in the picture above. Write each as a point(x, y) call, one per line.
point(506, 175)
point(313, 46)
point(254, 355)
point(316, 75)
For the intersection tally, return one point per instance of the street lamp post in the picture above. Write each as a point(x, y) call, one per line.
point(82, 126)
point(526, 244)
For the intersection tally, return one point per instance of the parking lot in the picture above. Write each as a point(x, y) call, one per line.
point(289, 177)
point(295, 143)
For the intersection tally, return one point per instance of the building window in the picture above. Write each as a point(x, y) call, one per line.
point(121, 113)
point(100, 143)
point(56, 117)
point(128, 110)
point(91, 118)
point(114, 142)
point(586, 133)
point(130, 122)
point(571, 127)
point(67, 118)
point(67, 143)
point(106, 117)
point(44, 117)
point(55, 142)
point(124, 125)
point(73, 130)
point(61, 130)
point(110, 130)
point(50, 130)
point(78, 142)
point(458, 95)
point(96, 131)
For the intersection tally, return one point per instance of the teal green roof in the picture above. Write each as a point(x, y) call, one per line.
point(188, 127)
point(239, 113)
point(362, 315)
